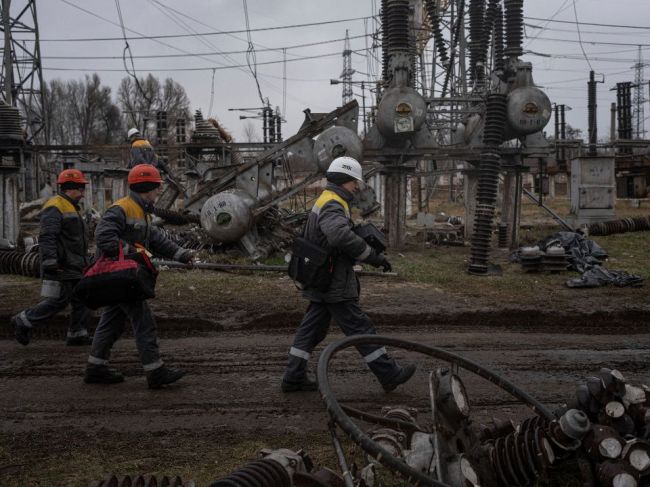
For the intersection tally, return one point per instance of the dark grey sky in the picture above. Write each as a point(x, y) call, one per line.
point(564, 73)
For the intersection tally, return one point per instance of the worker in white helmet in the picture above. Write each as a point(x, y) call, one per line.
point(142, 152)
point(335, 293)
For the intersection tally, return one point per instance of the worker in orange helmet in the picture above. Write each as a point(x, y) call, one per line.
point(128, 222)
point(63, 246)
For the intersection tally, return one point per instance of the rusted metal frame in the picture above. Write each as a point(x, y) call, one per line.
point(268, 156)
point(288, 193)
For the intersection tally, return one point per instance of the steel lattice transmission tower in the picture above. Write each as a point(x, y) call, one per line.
point(639, 99)
point(346, 74)
point(21, 80)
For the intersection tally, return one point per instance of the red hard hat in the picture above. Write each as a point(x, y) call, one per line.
point(144, 173)
point(71, 176)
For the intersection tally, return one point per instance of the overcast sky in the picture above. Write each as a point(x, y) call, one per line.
point(559, 65)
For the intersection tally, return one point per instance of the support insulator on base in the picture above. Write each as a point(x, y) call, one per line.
point(514, 27)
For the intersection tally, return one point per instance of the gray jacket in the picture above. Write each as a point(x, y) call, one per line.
point(128, 220)
point(329, 225)
point(63, 242)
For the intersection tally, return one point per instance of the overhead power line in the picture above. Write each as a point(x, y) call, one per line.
point(618, 26)
point(304, 58)
point(575, 11)
point(199, 34)
point(154, 56)
point(603, 43)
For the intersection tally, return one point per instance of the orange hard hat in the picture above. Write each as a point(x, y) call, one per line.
point(144, 173)
point(71, 176)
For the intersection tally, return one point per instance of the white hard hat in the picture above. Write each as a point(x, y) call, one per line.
point(132, 132)
point(347, 165)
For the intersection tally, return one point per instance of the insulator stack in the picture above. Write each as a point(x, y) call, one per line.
point(203, 129)
point(531, 259)
point(141, 481)
point(503, 235)
point(499, 47)
point(176, 218)
point(481, 237)
point(592, 114)
point(20, 263)
point(261, 473)
point(10, 125)
point(555, 259)
point(514, 27)
point(632, 224)
point(398, 26)
point(385, 40)
point(488, 25)
point(476, 27)
point(520, 458)
point(434, 19)
point(495, 120)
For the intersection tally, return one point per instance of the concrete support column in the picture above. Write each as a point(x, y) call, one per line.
point(395, 207)
point(470, 187)
point(511, 206)
point(119, 188)
point(9, 210)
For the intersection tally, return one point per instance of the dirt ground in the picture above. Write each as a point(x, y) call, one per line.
point(231, 332)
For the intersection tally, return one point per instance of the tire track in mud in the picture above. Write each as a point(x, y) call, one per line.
point(233, 380)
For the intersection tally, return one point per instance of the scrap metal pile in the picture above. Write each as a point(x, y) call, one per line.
point(599, 438)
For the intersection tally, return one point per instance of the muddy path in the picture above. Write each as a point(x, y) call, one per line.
point(232, 337)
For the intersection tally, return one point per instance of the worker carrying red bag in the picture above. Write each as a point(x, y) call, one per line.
point(126, 227)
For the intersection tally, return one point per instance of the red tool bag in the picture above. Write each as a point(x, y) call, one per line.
point(108, 282)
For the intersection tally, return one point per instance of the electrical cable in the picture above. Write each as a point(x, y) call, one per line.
point(618, 26)
point(158, 56)
point(575, 11)
point(304, 58)
point(127, 49)
point(250, 55)
point(173, 36)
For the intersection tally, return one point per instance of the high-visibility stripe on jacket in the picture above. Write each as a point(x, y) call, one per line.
point(62, 240)
point(138, 222)
point(327, 196)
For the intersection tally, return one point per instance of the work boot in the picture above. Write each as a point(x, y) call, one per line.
point(102, 374)
point(162, 376)
point(403, 376)
point(23, 333)
point(305, 385)
point(79, 341)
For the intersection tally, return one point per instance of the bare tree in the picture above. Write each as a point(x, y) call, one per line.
point(142, 100)
point(81, 112)
point(250, 132)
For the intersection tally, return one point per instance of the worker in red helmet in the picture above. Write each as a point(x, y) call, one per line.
point(63, 246)
point(128, 221)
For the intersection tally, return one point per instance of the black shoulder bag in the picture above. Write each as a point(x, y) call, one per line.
point(311, 266)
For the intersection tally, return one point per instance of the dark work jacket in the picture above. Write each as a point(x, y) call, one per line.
point(329, 225)
point(128, 220)
point(63, 240)
point(142, 153)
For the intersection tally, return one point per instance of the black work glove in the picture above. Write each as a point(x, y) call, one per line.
point(186, 256)
point(379, 260)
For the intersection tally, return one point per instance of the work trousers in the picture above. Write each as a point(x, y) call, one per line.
point(111, 326)
point(48, 307)
point(352, 321)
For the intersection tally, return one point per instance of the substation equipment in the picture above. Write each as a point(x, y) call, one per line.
point(600, 437)
point(487, 120)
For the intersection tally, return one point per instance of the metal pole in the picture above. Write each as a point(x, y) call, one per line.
point(363, 99)
point(8, 65)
